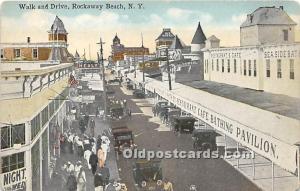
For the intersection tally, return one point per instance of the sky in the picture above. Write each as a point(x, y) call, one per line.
point(86, 26)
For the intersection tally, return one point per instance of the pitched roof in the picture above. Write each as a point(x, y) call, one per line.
point(199, 36)
point(58, 27)
point(176, 43)
point(213, 38)
point(116, 38)
point(268, 16)
point(166, 35)
point(60, 54)
point(76, 54)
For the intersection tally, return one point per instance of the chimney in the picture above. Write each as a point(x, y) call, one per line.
point(281, 7)
point(28, 39)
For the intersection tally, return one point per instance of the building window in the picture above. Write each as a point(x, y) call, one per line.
point(228, 66)
point(5, 137)
point(217, 64)
point(51, 108)
point(222, 65)
point(34, 53)
point(206, 66)
point(268, 68)
point(11, 135)
point(249, 68)
point(2, 53)
point(234, 65)
point(17, 53)
point(12, 162)
point(245, 67)
point(292, 74)
point(35, 169)
point(35, 126)
point(45, 116)
point(285, 35)
point(254, 68)
point(279, 74)
point(212, 65)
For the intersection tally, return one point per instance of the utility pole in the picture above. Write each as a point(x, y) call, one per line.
point(134, 62)
point(143, 59)
point(168, 68)
point(101, 62)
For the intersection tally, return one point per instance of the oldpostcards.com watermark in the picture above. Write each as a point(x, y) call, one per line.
point(176, 154)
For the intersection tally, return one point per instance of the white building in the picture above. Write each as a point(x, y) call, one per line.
point(263, 62)
point(33, 109)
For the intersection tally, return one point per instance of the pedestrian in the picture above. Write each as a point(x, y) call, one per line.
point(92, 127)
point(97, 112)
point(82, 125)
point(62, 143)
point(77, 168)
point(99, 142)
point(80, 148)
point(87, 155)
point(93, 162)
point(71, 182)
point(86, 120)
point(129, 113)
point(86, 143)
point(125, 103)
point(104, 148)
point(168, 186)
point(58, 181)
point(100, 155)
point(69, 167)
point(81, 180)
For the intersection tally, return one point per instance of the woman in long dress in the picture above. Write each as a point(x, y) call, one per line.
point(81, 180)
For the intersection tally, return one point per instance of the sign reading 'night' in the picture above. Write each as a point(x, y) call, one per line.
point(14, 180)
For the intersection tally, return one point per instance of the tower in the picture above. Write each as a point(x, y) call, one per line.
point(57, 31)
point(116, 40)
point(198, 41)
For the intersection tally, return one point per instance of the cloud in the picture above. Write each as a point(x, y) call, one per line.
point(155, 19)
point(295, 18)
point(180, 15)
point(239, 19)
point(206, 18)
point(177, 13)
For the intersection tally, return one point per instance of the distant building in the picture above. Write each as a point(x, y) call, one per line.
point(54, 50)
point(119, 50)
point(267, 25)
point(186, 62)
point(267, 60)
point(198, 41)
point(165, 38)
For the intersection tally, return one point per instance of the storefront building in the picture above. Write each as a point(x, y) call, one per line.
point(34, 89)
point(262, 60)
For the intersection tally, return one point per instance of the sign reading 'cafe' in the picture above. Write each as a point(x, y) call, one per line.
point(280, 152)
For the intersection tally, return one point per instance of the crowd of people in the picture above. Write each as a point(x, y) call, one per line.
point(89, 152)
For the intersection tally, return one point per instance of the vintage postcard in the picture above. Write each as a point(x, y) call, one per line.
point(149, 95)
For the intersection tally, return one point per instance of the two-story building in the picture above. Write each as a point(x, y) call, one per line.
point(33, 93)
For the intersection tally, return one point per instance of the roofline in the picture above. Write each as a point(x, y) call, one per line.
point(265, 24)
